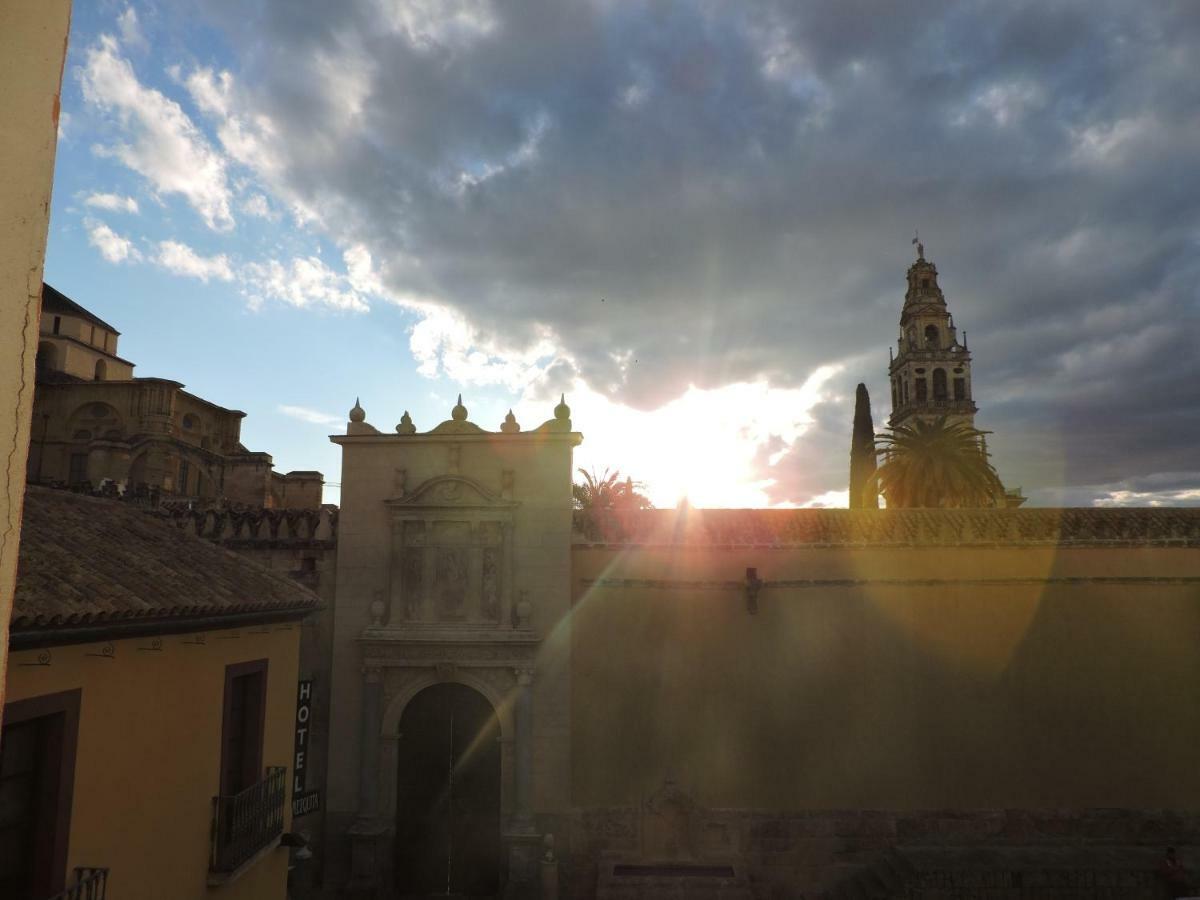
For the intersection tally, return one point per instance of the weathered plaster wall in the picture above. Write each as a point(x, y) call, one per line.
point(147, 761)
point(906, 684)
point(33, 47)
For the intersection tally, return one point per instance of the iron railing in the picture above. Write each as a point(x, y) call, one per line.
point(90, 884)
point(245, 823)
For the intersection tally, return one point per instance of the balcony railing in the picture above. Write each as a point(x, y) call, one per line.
point(90, 884)
point(245, 823)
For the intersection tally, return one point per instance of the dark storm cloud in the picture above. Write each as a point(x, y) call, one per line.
point(739, 183)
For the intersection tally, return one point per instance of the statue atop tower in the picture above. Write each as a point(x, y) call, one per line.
point(931, 373)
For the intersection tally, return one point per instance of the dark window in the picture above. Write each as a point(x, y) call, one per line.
point(242, 726)
point(183, 476)
point(57, 323)
point(308, 564)
point(894, 398)
point(37, 774)
point(922, 393)
point(101, 370)
point(924, 282)
point(939, 384)
point(960, 389)
point(931, 336)
point(79, 468)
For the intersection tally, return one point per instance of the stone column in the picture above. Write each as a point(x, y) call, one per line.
point(523, 750)
point(523, 839)
point(372, 719)
point(367, 834)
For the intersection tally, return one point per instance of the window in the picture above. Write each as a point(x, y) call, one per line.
point(57, 324)
point(183, 476)
point(242, 726)
point(37, 774)
point(922, 393)
point(925, 282)
point(931, 336)
point(190, 422)
point(960, 389)
point(101, 369)
point(939, 385)
point(78, 471)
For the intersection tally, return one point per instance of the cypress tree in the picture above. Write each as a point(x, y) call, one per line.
point(862, 453)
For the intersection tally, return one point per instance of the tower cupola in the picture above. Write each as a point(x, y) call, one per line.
point(931, 373)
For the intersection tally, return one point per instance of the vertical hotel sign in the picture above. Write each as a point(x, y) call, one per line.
point(303, 801)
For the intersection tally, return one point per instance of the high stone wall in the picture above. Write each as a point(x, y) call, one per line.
point(904, 661)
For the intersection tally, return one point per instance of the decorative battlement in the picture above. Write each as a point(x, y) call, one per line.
point(458, 425)
point(235, 525)
point(1178, 527)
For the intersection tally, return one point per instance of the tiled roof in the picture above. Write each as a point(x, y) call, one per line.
point(56, 301)
point(89, 562)
point(882, 527)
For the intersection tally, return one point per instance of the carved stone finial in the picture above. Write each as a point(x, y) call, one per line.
point(562, 411)
point(510, 425)
point(358, 414)
point(459, 413)
point(406, 425)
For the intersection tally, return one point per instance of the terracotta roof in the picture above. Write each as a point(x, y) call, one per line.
point(56, 301)
point(89, 563)
point(1157, 526)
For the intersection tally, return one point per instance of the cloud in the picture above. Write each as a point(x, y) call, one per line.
point(303, 281)
point(258, 206)
point(181, 259)
point(304, 414)
point(112, 202)
point(711, 446)
point(164, 145)
point(131, 29)
point(112, 246)
point(724, 193)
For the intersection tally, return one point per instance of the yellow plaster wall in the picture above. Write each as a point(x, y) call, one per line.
point(1030, 693)
point(148, 759)
point(33, 46)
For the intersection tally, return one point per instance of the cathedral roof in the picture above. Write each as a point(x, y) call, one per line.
point(54, 301)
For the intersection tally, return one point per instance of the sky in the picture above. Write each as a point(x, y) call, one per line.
point(692, 218)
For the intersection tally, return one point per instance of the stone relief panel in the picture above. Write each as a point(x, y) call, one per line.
point(451, 555)
point(450, 585)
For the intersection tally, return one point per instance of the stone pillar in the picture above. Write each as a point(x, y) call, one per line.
point(367, 834)
point(523, 839)
point(523, 768)
point(372, 719)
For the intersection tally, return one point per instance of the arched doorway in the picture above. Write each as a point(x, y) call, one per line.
point(448, 794)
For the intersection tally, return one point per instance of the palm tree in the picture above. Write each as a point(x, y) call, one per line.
point(936, 464)
point(608, 491)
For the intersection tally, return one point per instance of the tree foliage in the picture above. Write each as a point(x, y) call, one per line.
point(608, 491)
point(936, 464)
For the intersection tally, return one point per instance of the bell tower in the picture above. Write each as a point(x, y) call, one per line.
point(931, 374)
